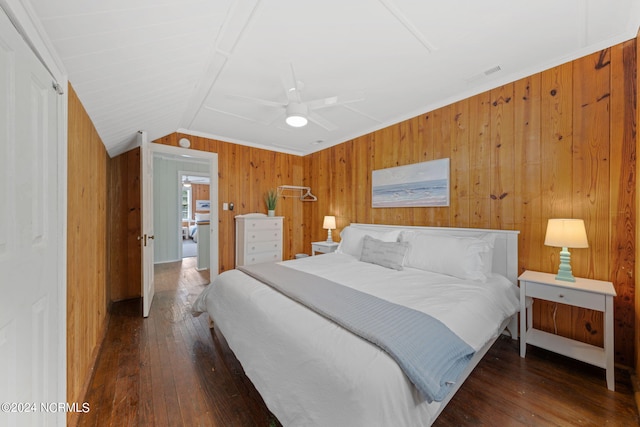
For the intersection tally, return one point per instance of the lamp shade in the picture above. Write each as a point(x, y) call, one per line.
point(566, 233)
point(329, 223)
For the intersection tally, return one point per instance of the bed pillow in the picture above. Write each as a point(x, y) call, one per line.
point(385, 254)
point(451, 255)
point(487, 256)
point(351, 239)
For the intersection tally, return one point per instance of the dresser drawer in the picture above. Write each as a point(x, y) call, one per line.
point(262, 224)
point(263, 236)
point(574, 297)
point(257, 247)
point(271, 256)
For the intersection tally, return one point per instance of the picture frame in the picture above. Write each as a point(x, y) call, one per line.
point(203, 205)
point(425, 184)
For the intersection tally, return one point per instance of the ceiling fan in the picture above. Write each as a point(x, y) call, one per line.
point(298, 113)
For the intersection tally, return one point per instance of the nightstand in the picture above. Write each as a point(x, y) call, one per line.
point(323, 247)
point(592, 294)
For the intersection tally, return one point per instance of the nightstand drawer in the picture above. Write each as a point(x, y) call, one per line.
point(574, 297)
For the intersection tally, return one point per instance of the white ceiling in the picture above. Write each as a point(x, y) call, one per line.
point(202, 66)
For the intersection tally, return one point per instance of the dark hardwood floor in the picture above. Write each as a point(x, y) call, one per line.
point(172, 370)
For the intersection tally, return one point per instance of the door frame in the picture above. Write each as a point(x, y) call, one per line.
point(212, 160)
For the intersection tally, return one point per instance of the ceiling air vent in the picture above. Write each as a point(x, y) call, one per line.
point(483, 74)
point(492, 70)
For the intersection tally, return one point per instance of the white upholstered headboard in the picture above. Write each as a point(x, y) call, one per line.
point(505, 251)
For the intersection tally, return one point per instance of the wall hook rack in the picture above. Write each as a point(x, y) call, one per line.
point(303, 193)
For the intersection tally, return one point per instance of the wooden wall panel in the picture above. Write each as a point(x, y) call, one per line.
point(623, 200)
point(635, 214)
point(86, 249)
point(244, 176)
point(480, 167)
point(560, 143)
point(125, 277)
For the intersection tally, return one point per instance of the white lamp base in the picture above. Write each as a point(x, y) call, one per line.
point(564, 270)
point(329, 238)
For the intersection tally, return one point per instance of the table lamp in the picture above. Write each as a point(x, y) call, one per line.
point(329, 224)
point(566, 233)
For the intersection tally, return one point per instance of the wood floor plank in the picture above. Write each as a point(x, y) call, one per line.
point(172, 370)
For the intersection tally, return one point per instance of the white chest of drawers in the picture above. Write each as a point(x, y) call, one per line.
point(258, 239)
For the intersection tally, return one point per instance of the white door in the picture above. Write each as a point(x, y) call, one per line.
point(32, 252)
point(147, 237)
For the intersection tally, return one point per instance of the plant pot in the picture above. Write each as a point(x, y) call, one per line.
point(271, 212)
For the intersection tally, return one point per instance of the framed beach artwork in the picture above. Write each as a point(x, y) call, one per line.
point(203, 205)
point(424, 184)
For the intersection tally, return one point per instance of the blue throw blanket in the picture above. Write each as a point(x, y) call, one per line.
point(429, 353)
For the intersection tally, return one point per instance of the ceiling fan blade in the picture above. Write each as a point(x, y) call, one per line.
point(240, 116)
point(321, 121)
point(292, 86)
point(261, 101)
point(333, 101)
point(296, 83)
point(279, 118)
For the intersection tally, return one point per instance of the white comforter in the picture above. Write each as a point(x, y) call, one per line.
point(311, 372)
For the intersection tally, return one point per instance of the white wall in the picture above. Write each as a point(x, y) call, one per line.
point(166, 205)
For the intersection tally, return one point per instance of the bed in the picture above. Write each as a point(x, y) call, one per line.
point(312, 371)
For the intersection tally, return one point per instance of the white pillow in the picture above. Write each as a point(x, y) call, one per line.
point(487, 256)
point(385, 254)
point(351, 239)
point(451, 255)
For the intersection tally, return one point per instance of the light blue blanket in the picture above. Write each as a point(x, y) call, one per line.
point(429, 353)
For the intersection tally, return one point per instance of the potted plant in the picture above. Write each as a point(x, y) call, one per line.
point(271, 199)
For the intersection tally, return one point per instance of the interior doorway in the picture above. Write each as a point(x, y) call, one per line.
point(172, 272)
point(195, 209)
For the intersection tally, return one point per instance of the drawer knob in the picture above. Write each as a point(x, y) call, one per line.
point(561, 296)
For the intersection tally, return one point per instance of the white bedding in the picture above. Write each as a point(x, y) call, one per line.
point(311, 372)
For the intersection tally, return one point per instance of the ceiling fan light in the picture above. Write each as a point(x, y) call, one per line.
point(296, 121)
point(296, 115)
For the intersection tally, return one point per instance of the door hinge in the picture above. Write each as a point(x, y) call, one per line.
point(57, 87)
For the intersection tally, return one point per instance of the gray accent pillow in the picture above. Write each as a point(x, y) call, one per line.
point(385, 254)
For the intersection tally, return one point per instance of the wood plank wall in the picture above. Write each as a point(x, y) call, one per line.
point(125, 276)
point(86, 249)
point(635, 190)
point(560, 143)
point(244, 176)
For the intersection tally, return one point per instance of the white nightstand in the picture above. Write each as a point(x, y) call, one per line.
point(592, 294)
point(323, 247)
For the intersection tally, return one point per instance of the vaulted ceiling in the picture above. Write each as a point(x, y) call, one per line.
point(227, 69)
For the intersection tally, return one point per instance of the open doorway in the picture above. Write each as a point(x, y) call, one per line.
point(173, 272)
point(195, 214)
